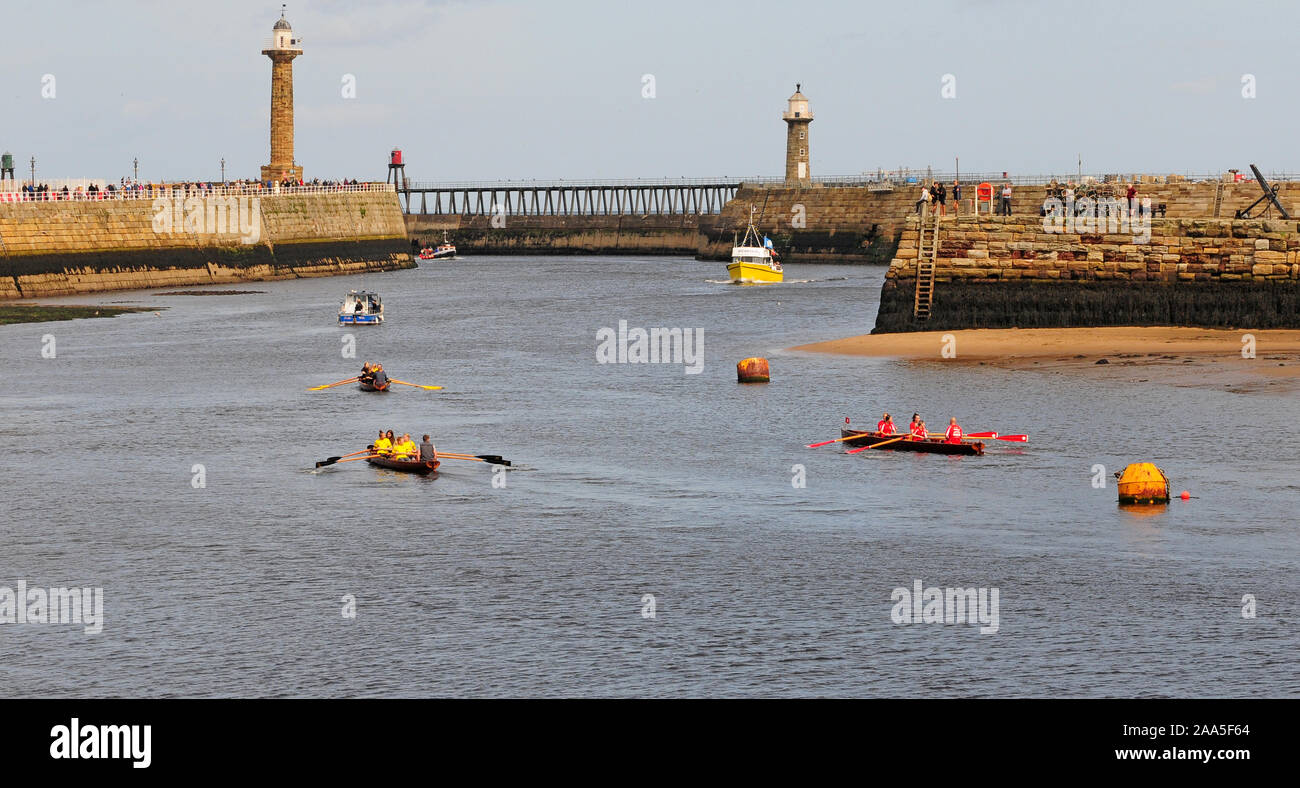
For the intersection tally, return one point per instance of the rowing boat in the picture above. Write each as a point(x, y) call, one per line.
point(931, 445)
point(372, 387)
point(422, 467)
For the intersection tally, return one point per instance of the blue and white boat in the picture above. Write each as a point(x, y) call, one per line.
point(361, 307)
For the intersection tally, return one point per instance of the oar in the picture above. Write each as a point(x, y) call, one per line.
point(332, 460)
point(876, 445)
point(417, 385)
point(837, 440)
point(331, 385)
point(493, 459)
point(1020, 438)
point(339, 460)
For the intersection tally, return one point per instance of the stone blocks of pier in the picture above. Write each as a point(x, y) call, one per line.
point(62, 248)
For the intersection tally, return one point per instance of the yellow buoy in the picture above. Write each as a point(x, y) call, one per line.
point(1143, 482)
point(752, 370)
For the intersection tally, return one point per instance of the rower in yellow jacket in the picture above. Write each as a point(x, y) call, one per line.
point(383, 445)
point(406, 448)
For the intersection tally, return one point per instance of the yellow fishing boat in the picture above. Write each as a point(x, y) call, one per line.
point(754, 261)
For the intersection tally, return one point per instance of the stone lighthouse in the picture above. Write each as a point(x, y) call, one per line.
point(282, 49)
point(798, 172)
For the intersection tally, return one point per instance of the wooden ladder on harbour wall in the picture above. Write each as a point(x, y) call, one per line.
point(1218, 198)
point(927, 249)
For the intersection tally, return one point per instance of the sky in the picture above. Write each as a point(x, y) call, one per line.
point(507, 89)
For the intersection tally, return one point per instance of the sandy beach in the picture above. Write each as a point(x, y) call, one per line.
point(1195, 357)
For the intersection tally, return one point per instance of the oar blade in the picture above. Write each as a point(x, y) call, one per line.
point(981, 435)
point(495, 459)
point(329, 461)
point(824, 443)
point(1019, 438)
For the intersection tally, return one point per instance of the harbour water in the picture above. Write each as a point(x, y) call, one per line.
point(629, 480)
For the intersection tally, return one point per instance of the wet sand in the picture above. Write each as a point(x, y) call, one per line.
point(1193, 357)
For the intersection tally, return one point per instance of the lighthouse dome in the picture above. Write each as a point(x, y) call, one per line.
point(282, 24)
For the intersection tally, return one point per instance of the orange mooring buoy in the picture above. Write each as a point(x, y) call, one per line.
point(752, 370)
point(1143, 482)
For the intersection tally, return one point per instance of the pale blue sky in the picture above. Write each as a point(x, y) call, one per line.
point(503, 89)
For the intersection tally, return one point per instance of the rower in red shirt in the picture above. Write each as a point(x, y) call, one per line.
point(917, 429)
point(953, 434)
point(885, 426)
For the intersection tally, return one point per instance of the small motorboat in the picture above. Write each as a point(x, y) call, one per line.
point(361, 307)
point(753, 260)
point(422, 467)
point(443, 251)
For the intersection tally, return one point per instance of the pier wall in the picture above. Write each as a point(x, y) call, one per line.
point(645, 235)
point(63, 248)
point(813, 224)
point(1004, 272)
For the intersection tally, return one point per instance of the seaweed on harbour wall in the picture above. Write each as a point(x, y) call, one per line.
point(1008, 304)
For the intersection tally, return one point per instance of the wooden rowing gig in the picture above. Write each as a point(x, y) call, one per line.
point(422, 467)
point(929, 446)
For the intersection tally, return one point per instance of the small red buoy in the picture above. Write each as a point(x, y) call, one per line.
point(752, 370)
point(1185, 495)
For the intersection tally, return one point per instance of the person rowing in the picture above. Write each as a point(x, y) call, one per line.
point(383, 445)
point(885, 426)
point(405, 449)
point(378, 378)
point(427, 451)
point(367, 375)
point(917, 429)
point(953, 435)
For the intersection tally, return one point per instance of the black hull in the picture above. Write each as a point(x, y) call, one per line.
point(423, 468)
point(367, 387)
point(931, 446)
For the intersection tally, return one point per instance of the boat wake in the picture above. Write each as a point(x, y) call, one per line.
point(757, 282)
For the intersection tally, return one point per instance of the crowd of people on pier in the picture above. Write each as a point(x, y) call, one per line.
point(128, 188)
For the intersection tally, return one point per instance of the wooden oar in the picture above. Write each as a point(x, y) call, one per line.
point(332, 385)
point(493, 459)
point(877, 445)
point(837, 440)
point(332, 460)
point(1019, 438)
point(337, 461)
point(417, 385)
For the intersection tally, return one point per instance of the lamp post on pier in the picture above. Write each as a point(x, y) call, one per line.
point(223, 171)
point(135, 170)
point(33, 173)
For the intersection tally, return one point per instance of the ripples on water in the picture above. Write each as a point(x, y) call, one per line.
point(633, 480)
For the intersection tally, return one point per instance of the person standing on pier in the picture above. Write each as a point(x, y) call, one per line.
point(941, 198)
point(956, 196)
point(1006, 199)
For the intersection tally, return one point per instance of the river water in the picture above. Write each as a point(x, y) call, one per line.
point(629, 480)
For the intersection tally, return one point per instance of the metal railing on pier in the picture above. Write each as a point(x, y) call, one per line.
point(168, 191)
